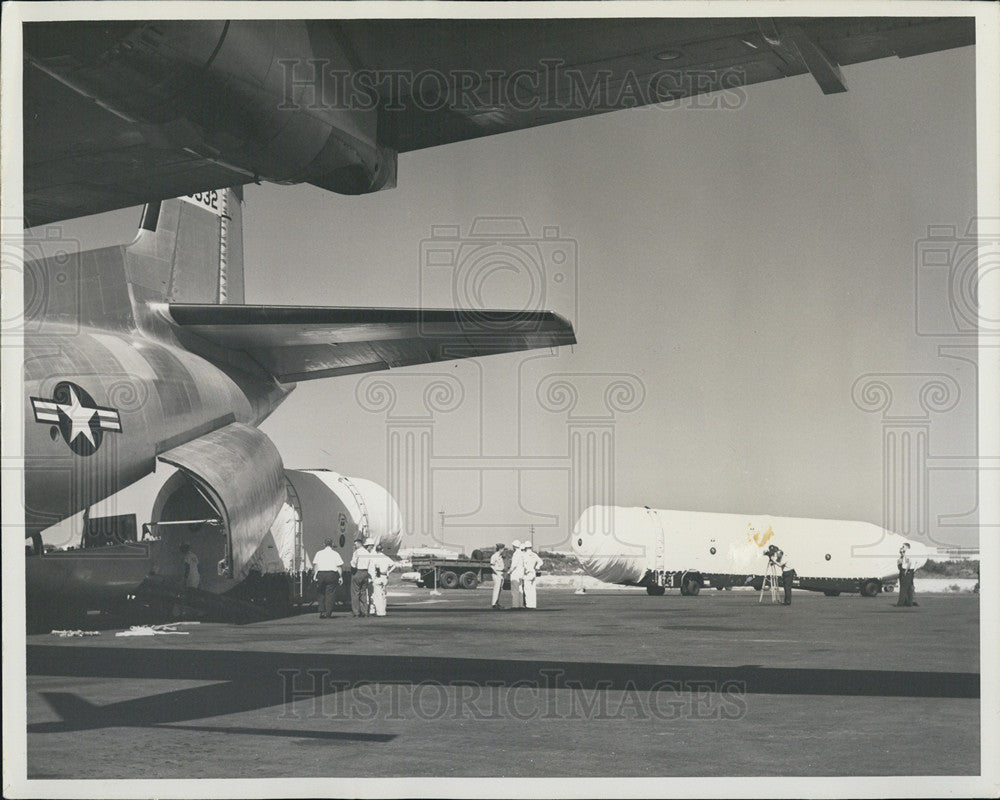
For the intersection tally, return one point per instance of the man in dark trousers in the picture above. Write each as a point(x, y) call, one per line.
point(906, 573)
point(326, 572)
point(787, 575)
point(360, 578)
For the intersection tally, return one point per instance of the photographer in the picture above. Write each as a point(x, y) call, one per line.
point(787, 573)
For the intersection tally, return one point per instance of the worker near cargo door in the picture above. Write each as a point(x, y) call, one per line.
point(531, 564)
point(327, 566)
point(516, 576)
point(361, 560)
point(787, 574)
point(192, 576)
point(906, 574)
point(378, 570)
point(498, 566)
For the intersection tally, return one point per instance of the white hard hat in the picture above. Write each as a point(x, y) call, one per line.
point(516, 544)
point(369, 542)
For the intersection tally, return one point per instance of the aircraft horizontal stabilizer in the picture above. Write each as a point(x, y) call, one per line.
point(296, 343)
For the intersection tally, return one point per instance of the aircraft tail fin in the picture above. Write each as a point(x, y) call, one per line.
point(190, 249)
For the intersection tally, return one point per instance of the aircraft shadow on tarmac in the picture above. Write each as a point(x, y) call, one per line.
point(251, 681)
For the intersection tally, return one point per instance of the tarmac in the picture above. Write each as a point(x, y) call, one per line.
point(597, 684)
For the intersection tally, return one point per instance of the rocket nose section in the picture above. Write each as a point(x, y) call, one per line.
point(583, 534)
point(609, 545)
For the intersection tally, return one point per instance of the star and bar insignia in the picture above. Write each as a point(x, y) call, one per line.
point(73, 413)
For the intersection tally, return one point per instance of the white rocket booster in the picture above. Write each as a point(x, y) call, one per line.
point(621, 545)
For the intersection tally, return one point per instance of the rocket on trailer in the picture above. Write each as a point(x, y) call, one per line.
point(662, 549)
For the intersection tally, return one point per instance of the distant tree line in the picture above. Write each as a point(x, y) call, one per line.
point(950, 569)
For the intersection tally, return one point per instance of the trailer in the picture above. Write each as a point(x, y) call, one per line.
point(692, 581)
point(460, 573)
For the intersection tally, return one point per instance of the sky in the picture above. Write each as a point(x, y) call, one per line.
point(746, 288)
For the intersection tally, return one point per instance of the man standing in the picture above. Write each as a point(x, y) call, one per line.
point(192, 577)
point(327, 566)
point(497, 565)
point(516, 576)
point(906, 573)
point(531, 562)
point(379, 569)
point(787, 575)
point(360, 578)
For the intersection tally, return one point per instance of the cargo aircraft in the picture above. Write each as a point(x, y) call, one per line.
point(146, 353)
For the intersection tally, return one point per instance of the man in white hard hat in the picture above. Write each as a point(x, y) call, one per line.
point(497, 565)
point(360, 578)
point(531, 563)
point(379, 568)
point(516, 576)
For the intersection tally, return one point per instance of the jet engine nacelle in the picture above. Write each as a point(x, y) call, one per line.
point(257, 96)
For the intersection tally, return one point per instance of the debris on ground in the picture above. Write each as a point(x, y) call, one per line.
point(156, 630)
point(74, 634)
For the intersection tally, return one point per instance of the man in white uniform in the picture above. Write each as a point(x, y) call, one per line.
point(327, 566)
point(360, 578)
point(516, 576)
point(531, 562)
point(497, 565)
point(379, 568)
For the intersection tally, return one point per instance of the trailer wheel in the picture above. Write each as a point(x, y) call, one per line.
point(690, 585)
point(831, 593)
point(468, 580)
point(448, 579)
point(656, 591)
point(870, 588)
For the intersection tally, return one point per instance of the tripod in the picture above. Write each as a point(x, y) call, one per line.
point(772, 581)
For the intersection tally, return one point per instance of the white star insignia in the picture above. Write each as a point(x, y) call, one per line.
point(79, 417)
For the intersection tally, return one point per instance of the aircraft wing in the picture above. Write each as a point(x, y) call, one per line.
point(297, 343)
point(118, 113)
point(559, 69)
